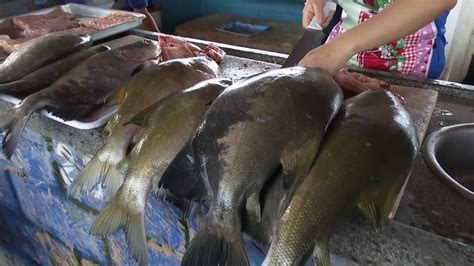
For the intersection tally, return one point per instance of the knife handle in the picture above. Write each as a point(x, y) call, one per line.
point(328, 7)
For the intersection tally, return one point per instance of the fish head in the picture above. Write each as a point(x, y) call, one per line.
point(141, 51)
point(205, 64)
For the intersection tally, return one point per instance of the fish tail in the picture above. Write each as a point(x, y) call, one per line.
point(208, 248)
point(96, 171)
point(114, 217)
point(103, 168)
point(112, 179)
point(12, 124)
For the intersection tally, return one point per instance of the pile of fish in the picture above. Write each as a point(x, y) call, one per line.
point(279, 156)
point(61, 73)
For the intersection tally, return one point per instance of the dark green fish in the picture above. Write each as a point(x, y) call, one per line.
point(256, 130)
point(364, 161)
point(143, 90)
point(169, 127)
point(45, 76)
point(39, 52)
point(183, 185)
point(76, 93)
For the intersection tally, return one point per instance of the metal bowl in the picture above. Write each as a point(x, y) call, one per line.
point(449, 152)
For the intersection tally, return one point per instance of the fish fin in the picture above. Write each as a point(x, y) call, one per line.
point(87, 179)
point(138, 69)
point(252, 207)
point(208, 248)
point(321, 255)
point(378, 206)
point(375, 209)
point(141, 118)
point(118, 96)
point(122, 166)
point(114, 217)
point(12, 123)
point(112, 180)
point(109, 126)
point(296, 164)
point(97, 171)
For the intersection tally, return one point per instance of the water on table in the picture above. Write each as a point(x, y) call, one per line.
point(38, 224)
point(429, 203)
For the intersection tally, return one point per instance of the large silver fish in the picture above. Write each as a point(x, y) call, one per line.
point(143, 90)
point(256, 130)
point(364, 161)
point(39, 52)
point(168, 128)
point(80, 90)
point(48, 74)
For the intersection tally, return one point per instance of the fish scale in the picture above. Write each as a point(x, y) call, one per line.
point(348, 172)
point(77, 92)
point(39, 52)
point(142, 91)
point(167, 129)
point(245, 140)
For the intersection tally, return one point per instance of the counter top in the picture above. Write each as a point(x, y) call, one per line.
point(32, 204)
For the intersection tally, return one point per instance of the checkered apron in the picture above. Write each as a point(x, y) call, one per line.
point(409, 56)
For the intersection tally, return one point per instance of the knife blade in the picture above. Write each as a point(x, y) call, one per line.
point(312, 38)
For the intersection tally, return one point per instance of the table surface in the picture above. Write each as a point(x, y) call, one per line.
point(35, 211)
point(281, 37)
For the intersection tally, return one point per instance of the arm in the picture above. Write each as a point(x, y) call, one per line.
point(148, 23)
point(140, 6)
point(401, 18)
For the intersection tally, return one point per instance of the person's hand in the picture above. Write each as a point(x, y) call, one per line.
point(357, 82)
point(353, 83)
point(148, 23)
point(329, 57)
point(314, 8)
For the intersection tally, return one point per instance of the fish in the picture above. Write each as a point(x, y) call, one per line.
point(363, 162)
point(48, 74)
point(39, 52)
point(185, 187)
point(257, 129)
point(76, 93)
point(141, 91)
point(168, 128)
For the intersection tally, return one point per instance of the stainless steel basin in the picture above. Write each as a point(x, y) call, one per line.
point(449, 152)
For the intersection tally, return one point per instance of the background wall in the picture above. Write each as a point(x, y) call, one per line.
point(175, 12)
point(278, 10)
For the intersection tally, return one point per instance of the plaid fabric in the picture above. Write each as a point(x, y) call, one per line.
point(410, 55)
point(409, 52)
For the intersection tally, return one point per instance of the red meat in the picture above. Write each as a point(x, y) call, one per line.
point(173, 47)
point(107, 21)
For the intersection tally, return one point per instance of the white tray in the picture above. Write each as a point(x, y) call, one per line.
point(80, 12)
point(95, 119)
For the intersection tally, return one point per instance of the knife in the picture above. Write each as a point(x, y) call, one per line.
point(312, 37)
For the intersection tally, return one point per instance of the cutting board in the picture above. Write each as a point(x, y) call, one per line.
point(420, 103)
